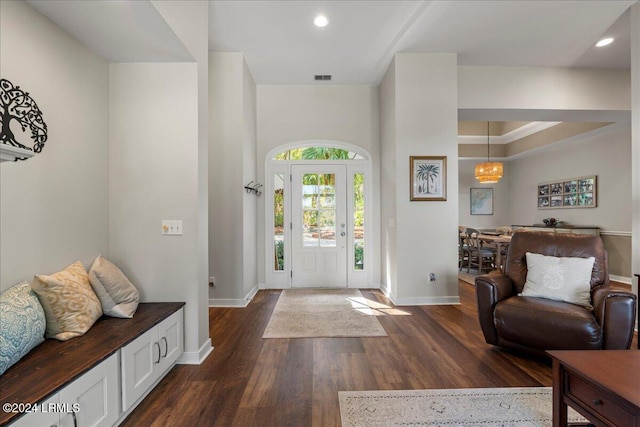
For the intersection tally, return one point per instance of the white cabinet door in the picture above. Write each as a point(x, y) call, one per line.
point(90, 401)
point(93, 399)
point(170, 333)
point(149, 356)
point(40, 418)
point(139, 371)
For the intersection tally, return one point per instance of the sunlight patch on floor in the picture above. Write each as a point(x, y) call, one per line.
point(375, 308)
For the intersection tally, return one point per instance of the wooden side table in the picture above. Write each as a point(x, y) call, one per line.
point(602, 385)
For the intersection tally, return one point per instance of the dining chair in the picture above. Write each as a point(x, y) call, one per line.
point(463, 248)
point(479, 256)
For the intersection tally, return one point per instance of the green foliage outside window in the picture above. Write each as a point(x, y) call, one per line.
point(279, 248)
point(317, 153)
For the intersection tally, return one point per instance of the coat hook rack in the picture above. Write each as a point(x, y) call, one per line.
point(253, 188)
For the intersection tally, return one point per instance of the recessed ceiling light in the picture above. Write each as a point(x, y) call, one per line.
point(605, 42)
point(321, 21)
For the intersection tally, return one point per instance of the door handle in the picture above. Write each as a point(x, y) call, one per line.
point(159, 353)
point(166, 347)
point(343, 234)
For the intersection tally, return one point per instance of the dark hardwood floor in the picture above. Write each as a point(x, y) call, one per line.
point(250, 381)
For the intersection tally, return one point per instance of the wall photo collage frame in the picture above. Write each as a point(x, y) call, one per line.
point(569, 193)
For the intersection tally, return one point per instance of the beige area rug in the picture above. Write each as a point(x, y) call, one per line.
point(505, 407)
point(313, 313)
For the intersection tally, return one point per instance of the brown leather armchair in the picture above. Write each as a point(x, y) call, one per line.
point(538, 324)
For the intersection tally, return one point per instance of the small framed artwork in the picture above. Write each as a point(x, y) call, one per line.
point(481, 201)
point(428, 178)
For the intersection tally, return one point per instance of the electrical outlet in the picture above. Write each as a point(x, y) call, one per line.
point(432, 277)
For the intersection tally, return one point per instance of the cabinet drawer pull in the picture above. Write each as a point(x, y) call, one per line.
point(159, 353)
point(597, 402)
point(166, 347)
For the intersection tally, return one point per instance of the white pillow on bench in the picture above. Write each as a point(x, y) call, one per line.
point(117, 294)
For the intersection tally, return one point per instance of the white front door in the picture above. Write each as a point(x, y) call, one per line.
point(319, 226)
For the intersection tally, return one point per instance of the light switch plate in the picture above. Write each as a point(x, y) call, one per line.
point(172, 227)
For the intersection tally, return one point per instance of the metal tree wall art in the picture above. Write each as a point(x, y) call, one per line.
point(17, 106)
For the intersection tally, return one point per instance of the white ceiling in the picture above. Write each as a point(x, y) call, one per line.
point(282, 46)
point(119, 30)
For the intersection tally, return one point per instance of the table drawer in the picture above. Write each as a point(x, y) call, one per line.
point(597, 403)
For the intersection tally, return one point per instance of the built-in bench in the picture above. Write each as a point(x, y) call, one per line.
point(54, 365)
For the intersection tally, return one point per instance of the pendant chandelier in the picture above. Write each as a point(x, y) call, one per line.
point(489, 172)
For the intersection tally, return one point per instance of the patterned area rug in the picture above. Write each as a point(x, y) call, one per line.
point(505, 407)
point(313, 313)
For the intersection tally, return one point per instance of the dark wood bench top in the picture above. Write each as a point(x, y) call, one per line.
point(53, 364)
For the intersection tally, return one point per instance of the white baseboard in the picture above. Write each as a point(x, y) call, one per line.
point(386, 291)
point(621, 279)
point(234, 303)
point(370, 286)
point(228, 302)
point(252, 293)
point(196, 357)
point(448, 300)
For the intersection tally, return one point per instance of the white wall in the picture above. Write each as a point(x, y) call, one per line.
point(54, 207)
point(608, 156)
point(388, 258)
point(501, 197)
point(232, 164)
point(189, 19)
point(288, 114)
point(249, 171)
point(153, 157)
point(426, 125)
point(543, 89)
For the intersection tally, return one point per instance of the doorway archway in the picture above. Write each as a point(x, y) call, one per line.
point(317, 207)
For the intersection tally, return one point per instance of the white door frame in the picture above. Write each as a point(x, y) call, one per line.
point(282, 279)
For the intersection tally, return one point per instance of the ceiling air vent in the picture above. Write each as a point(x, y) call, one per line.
point(322, 77)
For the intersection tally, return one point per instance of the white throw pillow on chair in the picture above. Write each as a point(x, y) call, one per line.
point(565, 279)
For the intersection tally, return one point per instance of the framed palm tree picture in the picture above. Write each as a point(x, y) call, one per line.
point(428, 178)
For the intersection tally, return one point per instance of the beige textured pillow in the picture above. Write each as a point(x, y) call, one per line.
point(70, 305)
point(117, 294)
point(565, 279)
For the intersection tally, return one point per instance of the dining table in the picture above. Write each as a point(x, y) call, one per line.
point(501, 242)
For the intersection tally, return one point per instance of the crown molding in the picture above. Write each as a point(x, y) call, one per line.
point(514, 135)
